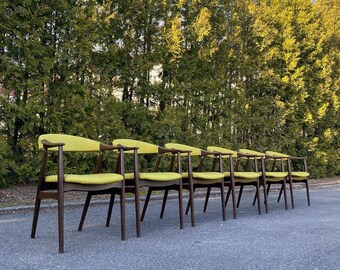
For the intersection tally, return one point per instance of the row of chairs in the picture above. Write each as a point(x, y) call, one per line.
point(177, 167)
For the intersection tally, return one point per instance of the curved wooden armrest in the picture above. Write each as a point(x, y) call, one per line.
point(247, 155)
point(292, 157)
point(47, 144)
point(210, 153)
point(104, 146)
point(274, 157)
point(162, 150)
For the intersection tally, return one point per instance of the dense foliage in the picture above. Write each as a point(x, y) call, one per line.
point(261, 74)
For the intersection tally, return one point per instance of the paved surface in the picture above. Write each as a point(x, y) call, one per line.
point(300, 238)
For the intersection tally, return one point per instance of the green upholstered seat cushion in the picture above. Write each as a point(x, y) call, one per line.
point(129, 176)
point(160, 176)
point(88, 179)
point(155, 176)
point(204, 175)
point(300, 174)
point(276, 174)
point(245, 175)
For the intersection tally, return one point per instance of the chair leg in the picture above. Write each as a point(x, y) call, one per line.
point(258, 197)
point(109, 212)
point(122, 212)
point(255, 198)
point(307, 191)
point(285, 194)
point(239, 196)
point(61, 221)
point(265, 197)
point(137, 210)
point(227, 197)
point(165, 197)
point(291, 192)
point(280, 194)
point(206, 199)
point(233, 197)
point(35, 215)
point(148, 195)
point(189, 203)
point(223, 201)
point(180, 202)
point(83, 215)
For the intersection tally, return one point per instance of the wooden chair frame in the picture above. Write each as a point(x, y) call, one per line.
point(47, 190)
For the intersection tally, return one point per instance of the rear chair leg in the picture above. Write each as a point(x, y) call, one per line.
point(83, 215)
point(35, 216)
point(239, 196)
point(206, 199)
point(109, 212)
point(146, 203)
point(165, 197)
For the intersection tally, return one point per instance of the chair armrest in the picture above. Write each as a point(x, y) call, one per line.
point(247, 155)
point(162, 150)
point(292, 157)
point(47, 144)
point(104, 146)
point(210, 153)
point(174, 150)
point(274, 157)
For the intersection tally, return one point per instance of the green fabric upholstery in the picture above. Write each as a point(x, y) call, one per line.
point(251, 152)
point(300, 174)
point(129, 176)
point(272, 153)
point(222, 150)
point(88, 179)
point(72, 143)
point(194, 151)
point(160, 176)
point(155, 176)
point(276, 174)
point(143, 147)
point(245, 175)
point(204, 175)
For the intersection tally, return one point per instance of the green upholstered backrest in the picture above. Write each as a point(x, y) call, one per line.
point(72, 143)
point(222, 150)
point(143, 147)
point(272, 153)
point(251, 152)
point(194, 150)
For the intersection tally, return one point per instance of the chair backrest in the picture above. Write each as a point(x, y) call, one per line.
point(222, 150)
point(143, 147)
point(272, 153)
point(72, 143)
point(251, 152)
point(194, 150)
